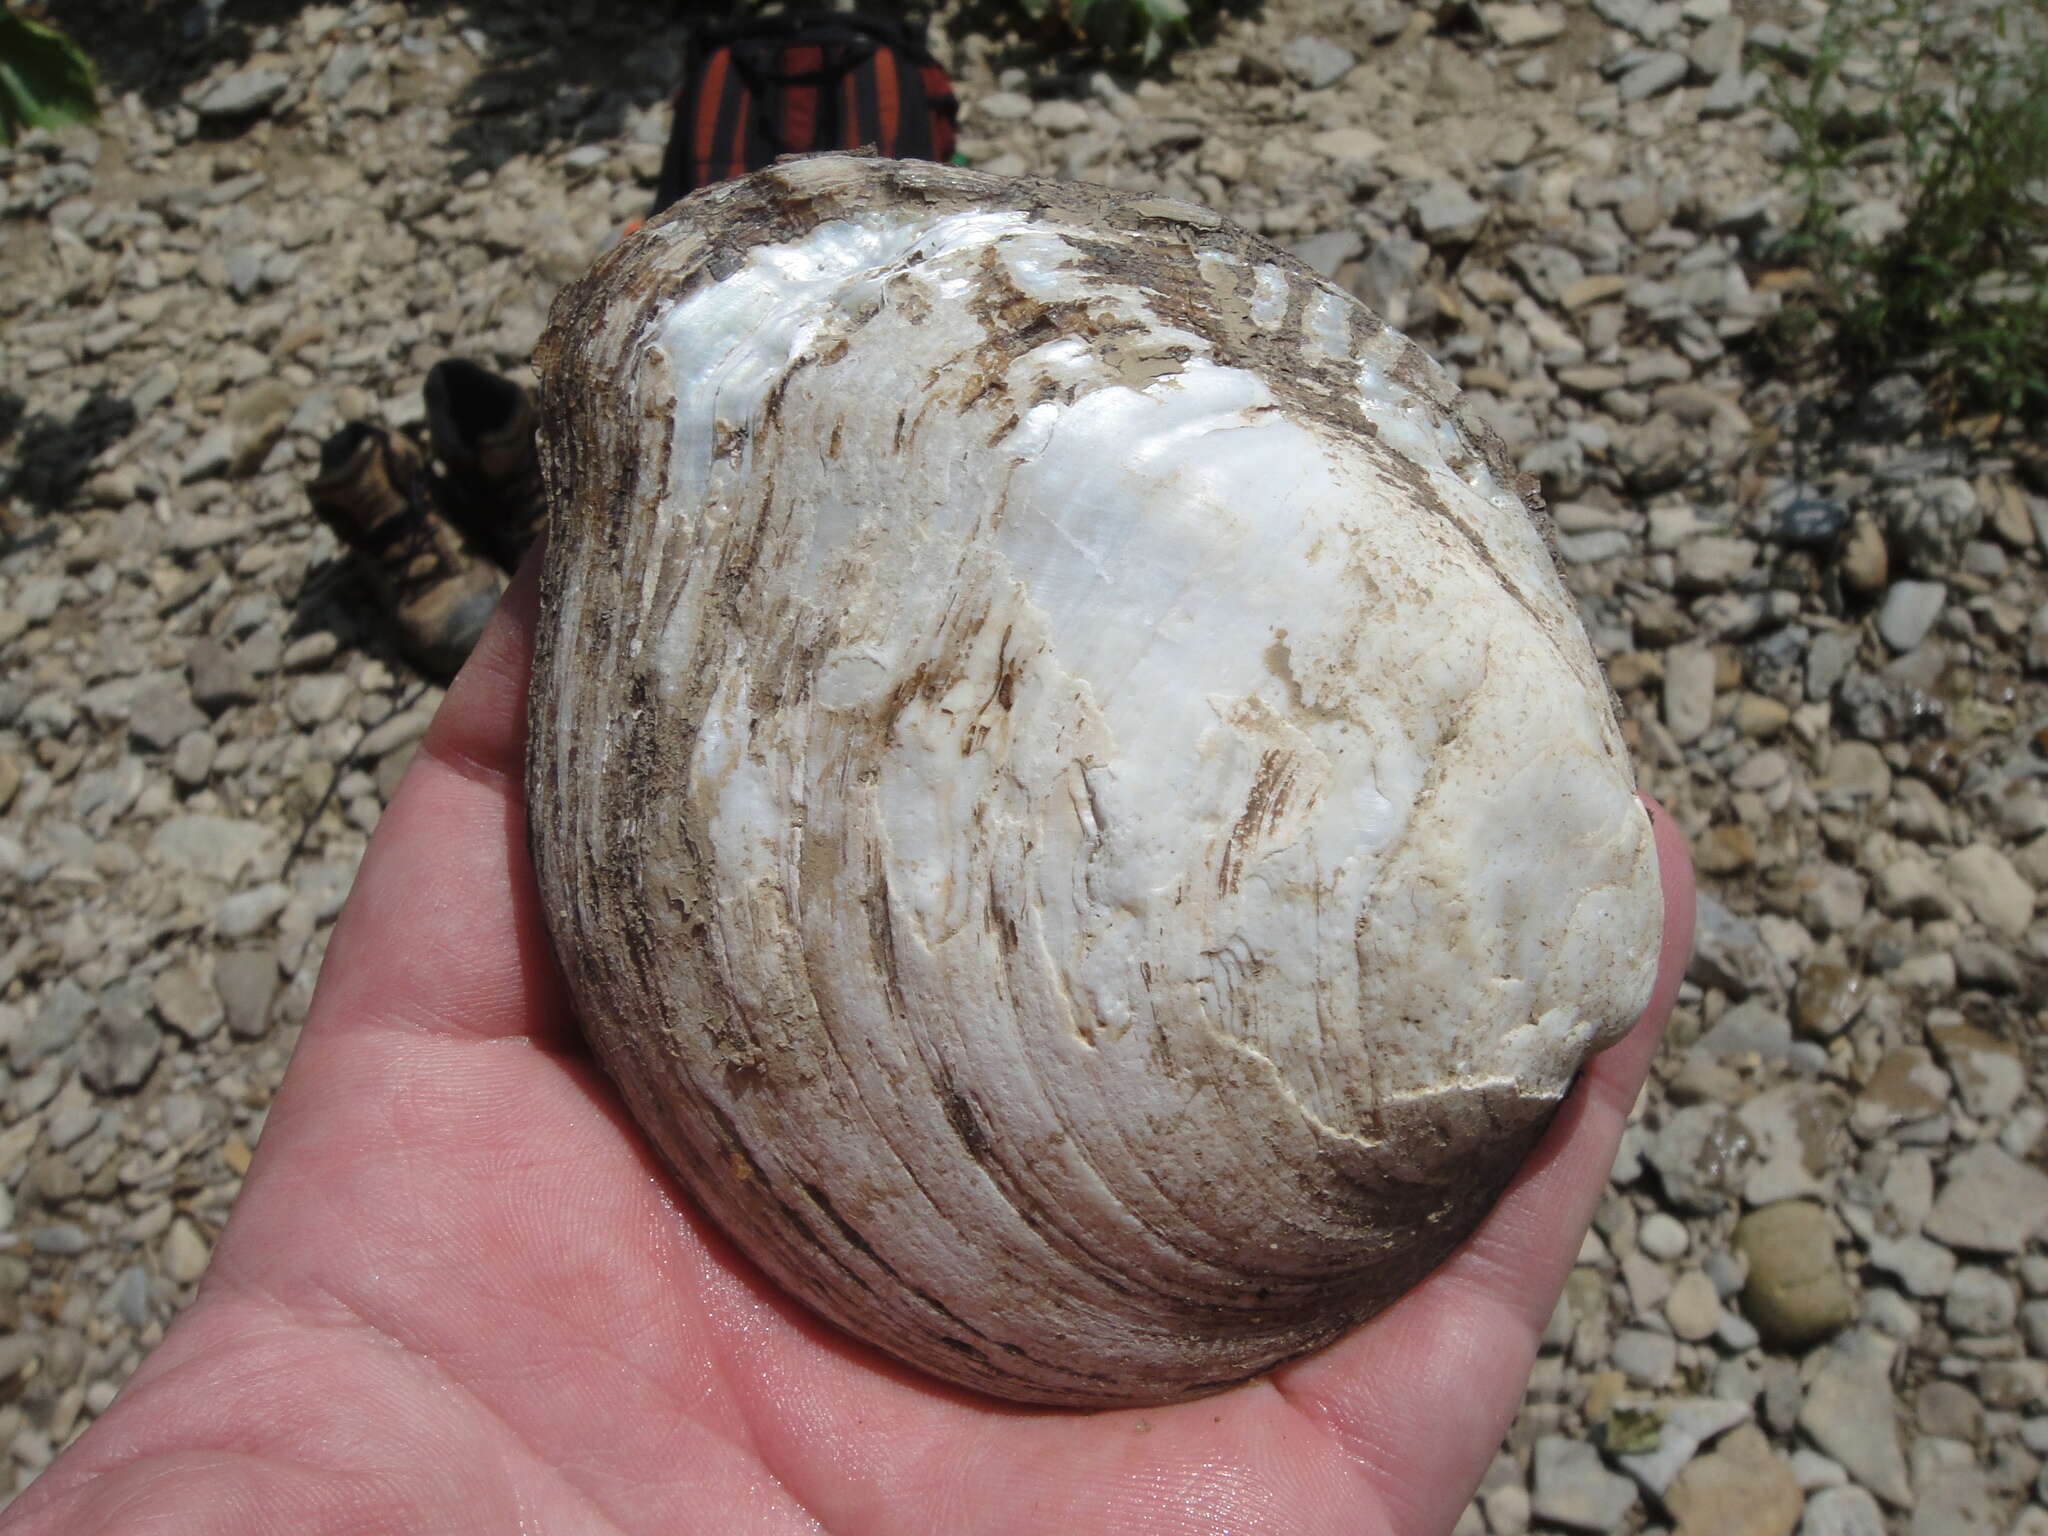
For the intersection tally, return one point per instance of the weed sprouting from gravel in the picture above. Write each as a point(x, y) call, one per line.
point(1949, 280)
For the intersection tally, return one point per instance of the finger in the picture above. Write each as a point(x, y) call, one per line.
point(442, 933)
point(1455, 1352)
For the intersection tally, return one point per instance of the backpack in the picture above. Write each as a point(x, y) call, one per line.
point(786, 84)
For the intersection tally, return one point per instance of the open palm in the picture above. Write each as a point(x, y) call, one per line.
point(457, 1294)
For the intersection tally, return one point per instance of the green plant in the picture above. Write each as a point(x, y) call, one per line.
point(45, 80)
point(1957, 288)
point(1135, 27)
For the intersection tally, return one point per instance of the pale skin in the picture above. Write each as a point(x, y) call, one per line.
point(458, 1295)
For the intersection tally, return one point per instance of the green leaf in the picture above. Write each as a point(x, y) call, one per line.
point(45, 80)
point(1635, 1431)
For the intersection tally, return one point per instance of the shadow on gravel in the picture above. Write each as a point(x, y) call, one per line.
point(548, 74)
point(46, 459)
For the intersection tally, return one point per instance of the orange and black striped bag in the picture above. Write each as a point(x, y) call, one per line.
point(787, 84)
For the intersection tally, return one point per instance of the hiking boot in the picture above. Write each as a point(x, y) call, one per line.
point(482, 427)
point(374, 492)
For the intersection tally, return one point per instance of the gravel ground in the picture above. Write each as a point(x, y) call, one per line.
point(1815, 1298)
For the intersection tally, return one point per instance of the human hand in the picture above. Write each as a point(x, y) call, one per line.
point(457, 1293)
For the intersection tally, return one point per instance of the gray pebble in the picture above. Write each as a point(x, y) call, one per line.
point(60, 1237)
point(1646, 1358)
point(1850, 1414)
point(1989, 1202)
point(241, 94)
point(247, 913)
point(1980, 1301)
point(122, 1048)
point(1572, 1488)
point(219, 680)
point(1909, 611)
point(1652, 75)
point(1316, 63)
point(247, 980)
point(1849, 1511)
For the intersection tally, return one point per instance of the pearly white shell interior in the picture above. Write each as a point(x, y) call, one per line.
point(1266, 696)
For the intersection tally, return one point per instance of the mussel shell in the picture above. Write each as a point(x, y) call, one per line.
point(1067, 789)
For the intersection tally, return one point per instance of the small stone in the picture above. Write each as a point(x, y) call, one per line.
point(1996, 894)
point(1349, 146)
point(309, 651)
point(60, 1237)
point(241, 94)
point(1522, 26)
point(1909, 611)
point(185, 1252)
point(1573, 1489)
point(1316, 63)
point(1061, 117)
point(1325, 253)
point(1798, 1131)
point(1954, 1499)
point(1805, 519)
point(2033, 1328)
point(2006, 506)
point(1662, 1236)
point(1909, 1188)
point(1446, 214)
point(1653, 75)
point(1596, 289)
point(1990, 1202)
point(192, 762)
point(1761, 718)
point(1003, 106)
point(1891, 1314)
point(1648, 1282)
point(1740, 1488)
point(1946, 1408)
point(1737, 1334)
point(1649, 1359)
point(128, 1297)
point(56, 1023)
point(1981, 1302)
point(54, 1180)
point(246, 981)
point(218, 677)
point(1907, 1086)
point(1725, 850)
point(345, 66)
point(218, 848)
point(1688, 692)
point(249, 912)
point(1693, 1309)
point(1849, 1511)
point(163, 715)
point(1864, 561)
point(2013, 1385)
point(121, 1050)
point(1830, 996)
point(1851, 1415)
point(1924, 1268)
point(1507, 1509)
point(1700, 1154)
point(209, 457)
point(186, 1001)
point(1796, 1293)
point(1988, 1073)
point(313, 701)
